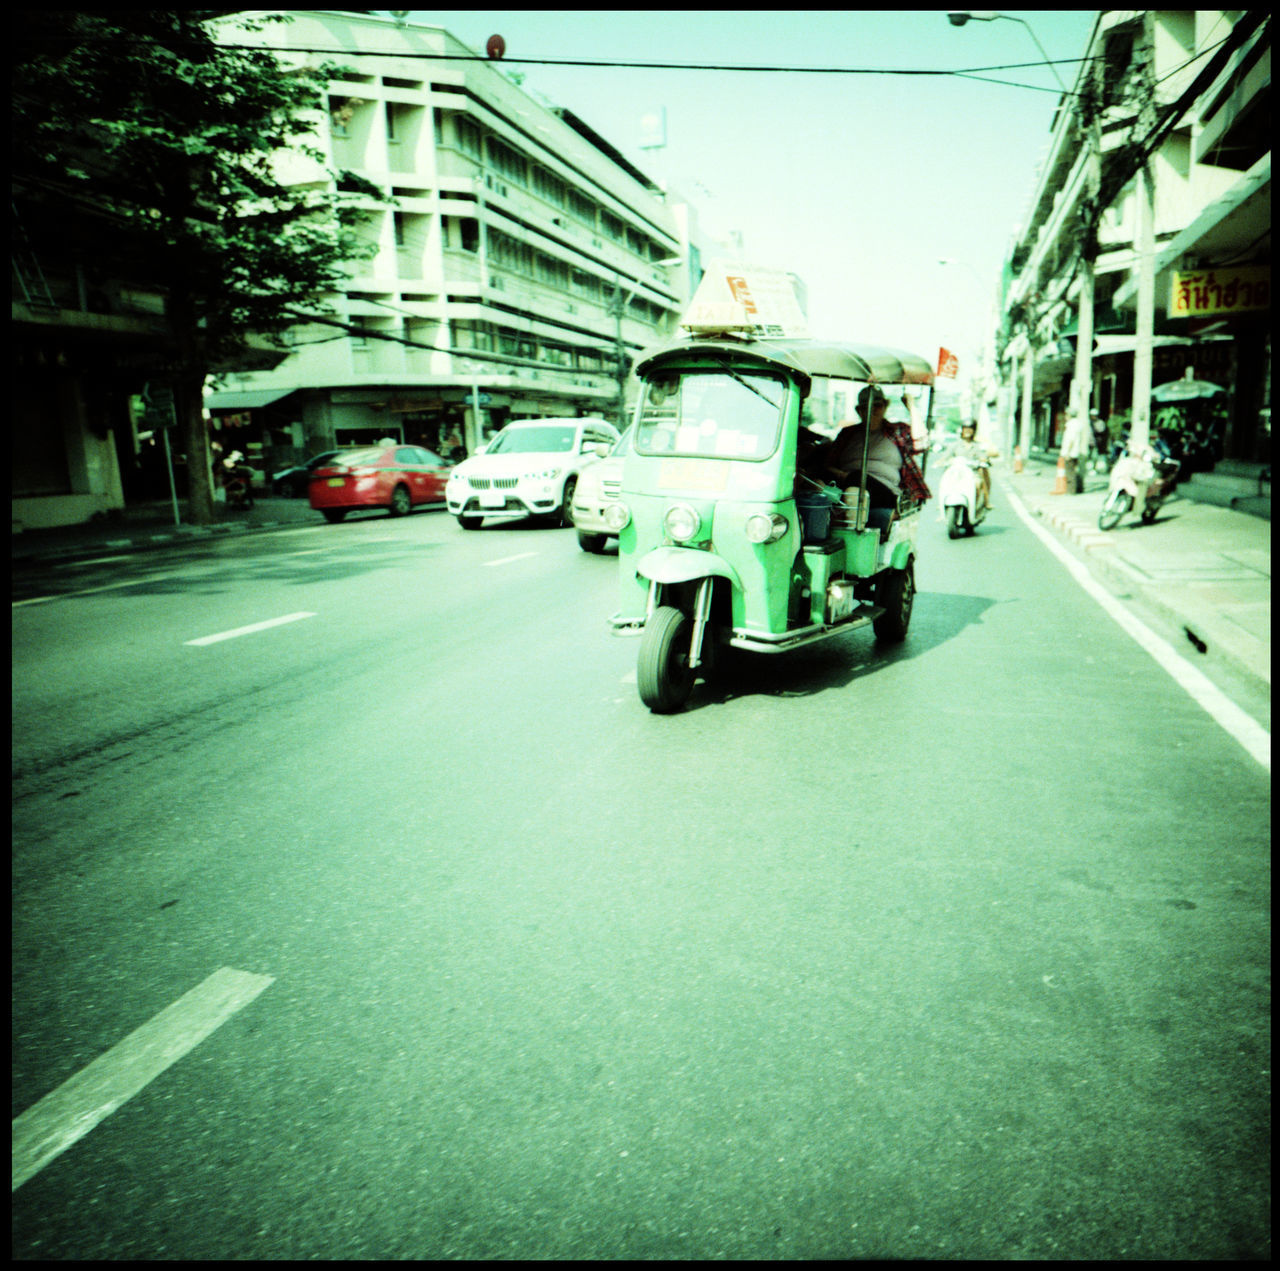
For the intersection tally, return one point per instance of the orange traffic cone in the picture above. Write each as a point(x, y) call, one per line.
point(1017, 459)
point(1060, 482)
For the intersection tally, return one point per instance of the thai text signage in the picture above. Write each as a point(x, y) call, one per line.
point(1201, 292)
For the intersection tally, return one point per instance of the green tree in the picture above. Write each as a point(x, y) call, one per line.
point(173, 140)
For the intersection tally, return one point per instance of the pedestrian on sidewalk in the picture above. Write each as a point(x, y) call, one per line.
point(1101, 435)
point(1077, 441)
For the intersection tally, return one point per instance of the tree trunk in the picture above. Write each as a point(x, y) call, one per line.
point(189, 397)
point(189, 402)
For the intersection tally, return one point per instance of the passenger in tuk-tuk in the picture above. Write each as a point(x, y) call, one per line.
point(891, 450)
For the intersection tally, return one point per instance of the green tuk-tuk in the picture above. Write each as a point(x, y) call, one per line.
point(723, 540)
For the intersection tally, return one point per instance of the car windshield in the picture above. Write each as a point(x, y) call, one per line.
point(715, 414)
point(551, 439)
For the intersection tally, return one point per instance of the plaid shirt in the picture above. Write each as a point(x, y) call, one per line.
point(914, 489)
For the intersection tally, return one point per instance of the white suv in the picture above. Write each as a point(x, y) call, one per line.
point(528, 469)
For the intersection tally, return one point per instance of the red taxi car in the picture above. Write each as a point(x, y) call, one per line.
point(397, 478)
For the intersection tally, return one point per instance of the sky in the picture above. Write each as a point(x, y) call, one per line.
point(860, 184)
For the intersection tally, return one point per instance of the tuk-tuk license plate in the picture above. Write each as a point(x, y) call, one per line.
point(693, 474)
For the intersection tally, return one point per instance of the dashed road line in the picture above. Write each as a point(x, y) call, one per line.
point(65, 1115)
point(249, 630)
point(506, 560)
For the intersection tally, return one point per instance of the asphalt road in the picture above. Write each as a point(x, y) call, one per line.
point(956, 949)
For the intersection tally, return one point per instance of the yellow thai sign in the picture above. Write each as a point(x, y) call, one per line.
point(1195, 293)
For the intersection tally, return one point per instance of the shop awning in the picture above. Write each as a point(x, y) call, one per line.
point(245, 401)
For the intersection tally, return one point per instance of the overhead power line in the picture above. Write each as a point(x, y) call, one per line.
point(603, 64)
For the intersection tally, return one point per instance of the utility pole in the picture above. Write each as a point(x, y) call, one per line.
point(1140, 427)
point(1091, 136)
point(619, 349)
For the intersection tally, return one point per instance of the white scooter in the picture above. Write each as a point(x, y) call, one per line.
point(959, 496)
point(1139, 482)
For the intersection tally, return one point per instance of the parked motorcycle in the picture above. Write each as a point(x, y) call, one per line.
point(960, 498)
point(237, 481)
point(1143, 481)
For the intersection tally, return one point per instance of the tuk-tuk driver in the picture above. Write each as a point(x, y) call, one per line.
point(891, 451)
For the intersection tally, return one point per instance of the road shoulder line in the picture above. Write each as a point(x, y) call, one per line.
point(1230, 717)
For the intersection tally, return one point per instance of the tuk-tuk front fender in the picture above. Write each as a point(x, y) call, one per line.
point(684, 565)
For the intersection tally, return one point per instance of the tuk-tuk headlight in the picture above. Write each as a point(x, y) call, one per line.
point(617, 516)
point(681, 523)
point(765, 528)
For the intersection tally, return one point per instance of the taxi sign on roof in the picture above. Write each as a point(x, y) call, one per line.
point(747, 298)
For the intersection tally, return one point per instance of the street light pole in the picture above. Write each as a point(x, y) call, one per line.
point(619, 307)
point(959, 19)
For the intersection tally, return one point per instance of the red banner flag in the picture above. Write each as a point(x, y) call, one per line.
point(948, 364)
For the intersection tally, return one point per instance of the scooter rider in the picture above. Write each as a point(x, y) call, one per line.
point(978, 455)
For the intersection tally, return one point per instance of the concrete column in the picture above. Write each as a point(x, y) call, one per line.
point(1026, 430)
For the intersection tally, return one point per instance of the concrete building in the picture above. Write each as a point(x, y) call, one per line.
point(522, 262)
point(1149, 234)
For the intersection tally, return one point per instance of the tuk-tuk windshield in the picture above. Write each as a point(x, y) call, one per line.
point(711, 414)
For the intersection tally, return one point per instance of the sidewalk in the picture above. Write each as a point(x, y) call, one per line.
point(1203, 570)
point(151, 525)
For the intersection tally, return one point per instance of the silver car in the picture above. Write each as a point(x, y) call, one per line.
point(599, 485)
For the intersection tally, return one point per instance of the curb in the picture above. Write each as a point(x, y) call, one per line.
point(140, 542)
point(1206, 635)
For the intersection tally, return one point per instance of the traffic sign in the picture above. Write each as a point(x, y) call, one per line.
point(158, 405)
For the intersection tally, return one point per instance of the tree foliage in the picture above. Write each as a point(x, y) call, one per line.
point(169, 143)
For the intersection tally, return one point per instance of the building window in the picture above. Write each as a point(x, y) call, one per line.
point(469, 141)
point(582, 207)
point(507, 161)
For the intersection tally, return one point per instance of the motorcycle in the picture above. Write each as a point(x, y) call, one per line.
point(960, 498)
point(1143, 480)
point(237, 481)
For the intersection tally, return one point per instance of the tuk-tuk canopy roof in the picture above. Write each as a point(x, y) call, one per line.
point(805, 358)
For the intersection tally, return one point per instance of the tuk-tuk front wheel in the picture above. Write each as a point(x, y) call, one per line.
point(663, 674)
point(895, 594)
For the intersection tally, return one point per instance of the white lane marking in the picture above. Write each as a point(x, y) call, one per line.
point(93, 591)
point(65, 1115)
point(256, 626)
point(1228, 716)
point(506, 560)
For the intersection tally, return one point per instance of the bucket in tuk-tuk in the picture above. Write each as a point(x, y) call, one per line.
point(814, 508)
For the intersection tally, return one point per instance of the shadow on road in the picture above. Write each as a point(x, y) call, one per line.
point(839, 661)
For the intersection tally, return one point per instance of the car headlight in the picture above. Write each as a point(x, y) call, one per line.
point(617, 516)
point(762, 527)
point(681, 522)
point(548, 474)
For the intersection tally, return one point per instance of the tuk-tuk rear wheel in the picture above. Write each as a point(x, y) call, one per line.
point(663, 675)
point(895, 594)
